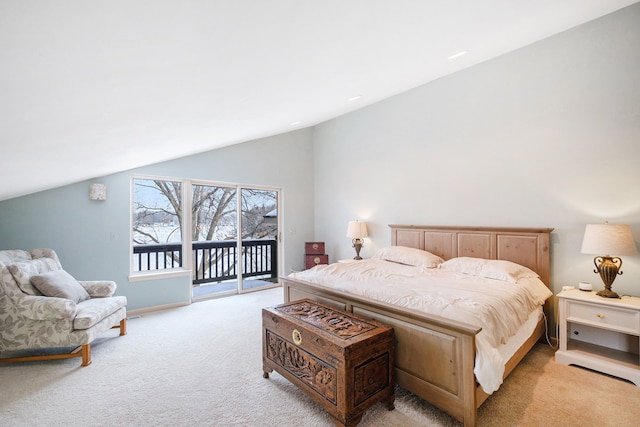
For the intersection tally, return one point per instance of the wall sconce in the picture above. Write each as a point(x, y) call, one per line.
point(612, 240)
point(357, 231)
point(97, 191)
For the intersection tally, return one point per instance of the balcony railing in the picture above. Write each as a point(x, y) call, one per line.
point(214, 260)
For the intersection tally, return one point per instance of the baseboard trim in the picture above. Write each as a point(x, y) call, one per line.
point(145, 310)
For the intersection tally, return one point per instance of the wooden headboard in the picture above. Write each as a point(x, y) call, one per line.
point(525, 246)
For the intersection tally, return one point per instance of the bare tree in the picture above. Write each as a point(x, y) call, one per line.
point(214, 209)
point(210, 206)
point(151, 210)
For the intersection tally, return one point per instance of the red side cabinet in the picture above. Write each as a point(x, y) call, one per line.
point(314, 254)
point(314, 248)
point(313, 260)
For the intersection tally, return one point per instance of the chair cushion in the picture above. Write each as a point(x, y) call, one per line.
point(60, 284)
point(94, 310)
point(22, 272)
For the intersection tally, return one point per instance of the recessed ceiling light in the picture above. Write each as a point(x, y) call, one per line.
point(354, 98)
point(458, 54)
point(295, 123)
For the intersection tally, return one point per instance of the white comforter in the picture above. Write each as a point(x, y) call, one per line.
point(499, 307)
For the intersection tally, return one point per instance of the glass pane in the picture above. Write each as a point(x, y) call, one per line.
point(259, 238)
point(214, 236)
point(157, 224)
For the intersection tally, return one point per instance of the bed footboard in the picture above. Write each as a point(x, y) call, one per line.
point(434, 356)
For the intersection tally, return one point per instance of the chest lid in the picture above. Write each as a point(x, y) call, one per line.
point(335, 322)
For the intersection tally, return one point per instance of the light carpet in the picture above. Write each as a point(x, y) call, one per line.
point(201, 365)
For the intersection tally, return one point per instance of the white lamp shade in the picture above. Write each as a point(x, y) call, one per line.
point(357, 230)
point(608, 239)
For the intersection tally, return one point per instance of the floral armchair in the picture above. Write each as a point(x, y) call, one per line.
point(42, 306)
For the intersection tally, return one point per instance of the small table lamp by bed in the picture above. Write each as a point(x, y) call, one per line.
point(612, 240)
point(357, 231)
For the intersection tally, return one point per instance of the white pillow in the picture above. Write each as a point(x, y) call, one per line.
point(60, 284)
point(408, 256)
point(489, 268)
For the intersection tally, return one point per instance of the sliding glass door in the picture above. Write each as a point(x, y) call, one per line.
point(214, 233)
point(259, 238)
point(234, 234)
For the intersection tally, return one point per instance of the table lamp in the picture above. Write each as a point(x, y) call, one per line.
point(357, 231)
point(612, 240)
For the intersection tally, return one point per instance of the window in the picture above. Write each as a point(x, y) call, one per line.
point(157, 224)
point(226, 235)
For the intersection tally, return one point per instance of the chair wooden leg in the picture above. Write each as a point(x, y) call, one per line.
point(86, 354)
point(122, 326)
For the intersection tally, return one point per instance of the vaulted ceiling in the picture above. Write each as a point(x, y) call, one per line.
point(89, 88)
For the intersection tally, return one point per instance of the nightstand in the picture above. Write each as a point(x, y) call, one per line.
point(598, 333)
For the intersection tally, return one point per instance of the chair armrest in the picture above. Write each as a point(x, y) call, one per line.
point(46, 308)
point(99, 288)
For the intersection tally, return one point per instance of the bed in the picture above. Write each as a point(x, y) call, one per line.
point(436, 355)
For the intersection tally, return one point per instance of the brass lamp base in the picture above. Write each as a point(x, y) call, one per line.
point(607, 293)
point(357, 245)
point(609, 268)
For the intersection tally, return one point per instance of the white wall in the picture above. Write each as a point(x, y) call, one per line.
point(546, 136)
point(92, 238)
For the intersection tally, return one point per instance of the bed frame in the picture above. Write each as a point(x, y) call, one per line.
point(435, 356)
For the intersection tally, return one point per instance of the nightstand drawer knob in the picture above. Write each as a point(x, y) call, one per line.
point(600, 316)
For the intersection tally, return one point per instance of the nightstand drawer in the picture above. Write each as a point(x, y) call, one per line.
point(608, 317)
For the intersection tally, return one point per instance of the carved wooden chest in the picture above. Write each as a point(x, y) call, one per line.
point(343, 361)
